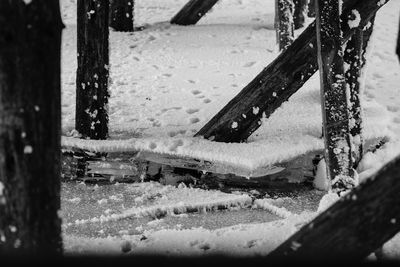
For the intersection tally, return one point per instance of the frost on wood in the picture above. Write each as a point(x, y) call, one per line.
point(284, 24)
point(122, 15)
point(333, 93)
point(283, 76)
point(92, 74)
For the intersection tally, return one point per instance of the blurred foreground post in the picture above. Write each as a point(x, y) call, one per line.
point(30, 126)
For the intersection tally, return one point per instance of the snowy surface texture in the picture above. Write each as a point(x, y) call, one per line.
point(167, 82)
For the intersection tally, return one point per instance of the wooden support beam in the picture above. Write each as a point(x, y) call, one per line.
point(91, 118)
point(284, 23)
point(122, 15)
point(352, 228)
point(30, 128)
point(193, 11)
point(311, 9)
point(278, 81)
point(398, 44)
point(334, 95)
point(300, 13)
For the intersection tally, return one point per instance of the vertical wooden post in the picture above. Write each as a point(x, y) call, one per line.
point(30, 126)
point(284, 23)
point(353, 59)
point(398, 43)
point(193, 11)
point(300, 13)
point(121, 15)
point(334, 95)
point(311, 8)
point(93, 69)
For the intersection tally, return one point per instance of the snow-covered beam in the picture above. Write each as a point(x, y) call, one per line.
point(192, 12)
point(353, 227)
point(279, 80)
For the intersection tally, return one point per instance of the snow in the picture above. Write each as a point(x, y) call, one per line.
point(354, 23)
point(321, 181)
point(166, 83)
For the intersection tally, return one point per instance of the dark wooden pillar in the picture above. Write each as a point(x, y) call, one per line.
point(192, 12)
point(352, 228)
point(93, 69)
point(311, 9)
point(398, 44)
point(300, 13)
point(30, 127)
point(284, 23)
point(334, 98)
point(122, 15)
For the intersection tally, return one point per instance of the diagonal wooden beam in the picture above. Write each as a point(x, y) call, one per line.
point(353, 227)
point(278, 81)
point(193, 11)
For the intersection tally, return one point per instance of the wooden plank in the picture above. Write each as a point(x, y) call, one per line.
point(193, 11)
point(352, 228)
point(136, 166)
point(278, 81)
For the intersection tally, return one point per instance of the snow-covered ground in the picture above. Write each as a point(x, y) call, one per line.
point(167, 82)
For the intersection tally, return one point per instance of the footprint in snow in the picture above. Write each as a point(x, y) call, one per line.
point(206, 101)
point(194, 120)
point(191, 81)
point(196, 92)
point(175, 145)
point(393, 108)
point(192, 110)
point(249, 64)
point(152, 146)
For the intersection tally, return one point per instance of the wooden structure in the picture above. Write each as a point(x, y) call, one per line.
point(354, 227)
point(193, 11)
point(122, 15)
point(30, 127)
point(91, 117)
point(278, 81)
point(284, 23)
point(334, 98)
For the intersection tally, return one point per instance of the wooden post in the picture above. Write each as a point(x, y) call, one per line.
point(284, 23)
point(300, 13)
point(353, 60)
point(30, 127)
point(192, 12)
point(278, 81)
point(93, 69)
point(334, 95)
point(311, 9)
point(398, 44)
point(122, 15)
point(352, 228)
point(354, 57)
